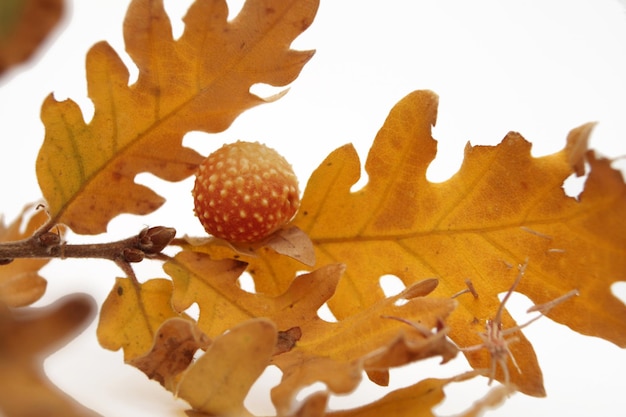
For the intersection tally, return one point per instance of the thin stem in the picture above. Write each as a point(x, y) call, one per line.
point(46, 244)
point(522, 271)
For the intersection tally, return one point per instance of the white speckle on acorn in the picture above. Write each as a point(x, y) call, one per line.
point(245, 191)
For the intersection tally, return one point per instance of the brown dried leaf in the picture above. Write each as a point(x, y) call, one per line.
point(175, 344)
point(290, 241)
point(287, 339)
point(294, 243)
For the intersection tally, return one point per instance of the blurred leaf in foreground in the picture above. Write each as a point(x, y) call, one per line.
point(27, 336)
point(20, 282)
point(24, 26)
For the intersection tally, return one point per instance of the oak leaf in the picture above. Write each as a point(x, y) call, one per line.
point(333, 353)
point(501, 208)
point(218, 382)
point(27, 336)
point(200, 81)
point(20, 282)
point(132, 314)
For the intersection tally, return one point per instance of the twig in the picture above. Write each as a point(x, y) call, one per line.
point(147, 244)
point(495, 339)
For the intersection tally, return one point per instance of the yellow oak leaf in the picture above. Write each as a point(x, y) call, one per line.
point(501, 208)
point(218, 382)
point(334, 353)
point(20, 282)
point(28, 335)
point(199, 82)
point(132, 313)
point(213, 285)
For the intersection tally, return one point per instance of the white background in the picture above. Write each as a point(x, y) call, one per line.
point(537, 67)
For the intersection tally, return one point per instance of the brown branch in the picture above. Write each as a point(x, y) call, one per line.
point(147, 244)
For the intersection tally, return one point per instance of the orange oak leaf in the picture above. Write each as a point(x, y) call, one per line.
point(334, 353)
point(20, 282)
point(132, 314)
point(27, 336)
point(200, 81)
point(25, 25)
point(218, 382)
point(502, 207)
point(338, 353)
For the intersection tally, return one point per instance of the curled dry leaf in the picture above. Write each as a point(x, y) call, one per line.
point(287, 339)
point(198, 82)
point(294, 243)
point(289, 241)
point(175, 344)
point(28, 335)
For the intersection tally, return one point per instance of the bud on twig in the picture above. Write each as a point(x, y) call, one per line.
point(153, 240)
point(50, 239)
point(132, 255)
